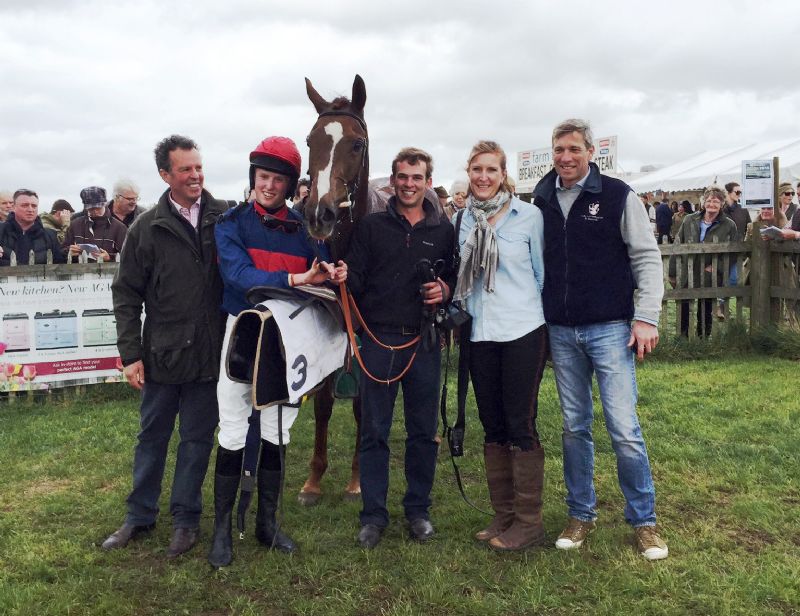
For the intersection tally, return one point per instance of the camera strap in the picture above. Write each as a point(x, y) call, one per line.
point(455, 435)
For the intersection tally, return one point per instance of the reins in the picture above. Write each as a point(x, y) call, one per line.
point(349, 308)
point(346, 301)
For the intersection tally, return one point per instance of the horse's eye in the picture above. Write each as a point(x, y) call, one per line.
point(358, 146)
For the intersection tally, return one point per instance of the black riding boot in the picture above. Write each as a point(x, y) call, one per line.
point(269, 485)
point(226, 484)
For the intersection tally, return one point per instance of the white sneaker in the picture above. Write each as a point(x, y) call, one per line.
point(573, 535)
point(650, 545)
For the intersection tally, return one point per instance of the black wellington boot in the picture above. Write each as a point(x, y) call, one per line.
point(269, 484)
point(225, 489)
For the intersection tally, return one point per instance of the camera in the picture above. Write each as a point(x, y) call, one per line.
point(447, 317)
point(425, 271)
point(452, 317)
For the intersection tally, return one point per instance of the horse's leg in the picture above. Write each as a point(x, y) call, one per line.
point(323, 407)
point(353, 489)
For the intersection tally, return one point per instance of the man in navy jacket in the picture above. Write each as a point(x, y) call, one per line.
point(598, 249)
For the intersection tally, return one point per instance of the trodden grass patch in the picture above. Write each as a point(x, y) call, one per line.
point(723, 439)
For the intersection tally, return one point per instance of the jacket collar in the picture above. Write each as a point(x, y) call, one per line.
point(165, 214)
point(34, 229)
point(431, 213)
point(546, 188)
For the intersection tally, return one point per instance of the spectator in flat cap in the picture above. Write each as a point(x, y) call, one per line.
point(98, 233)
point(58, 218)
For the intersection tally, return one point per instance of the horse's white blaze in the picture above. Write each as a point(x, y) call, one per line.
point(335, 130)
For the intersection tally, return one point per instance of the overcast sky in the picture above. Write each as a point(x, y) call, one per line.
point(89, 87)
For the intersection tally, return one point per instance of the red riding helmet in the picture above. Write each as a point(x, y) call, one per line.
point(278, 154)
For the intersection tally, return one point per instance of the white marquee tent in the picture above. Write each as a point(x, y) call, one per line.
point(721, 166)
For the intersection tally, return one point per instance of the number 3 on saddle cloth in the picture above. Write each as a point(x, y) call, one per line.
point(287, 343)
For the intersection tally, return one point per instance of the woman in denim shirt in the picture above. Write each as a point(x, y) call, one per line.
point(499, 283)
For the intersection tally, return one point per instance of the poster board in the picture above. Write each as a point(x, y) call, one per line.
point(758, 184)
point(55, 333)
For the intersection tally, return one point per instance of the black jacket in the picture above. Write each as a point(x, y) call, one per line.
point(173, 271)
point(37, 238)
point(382, 264)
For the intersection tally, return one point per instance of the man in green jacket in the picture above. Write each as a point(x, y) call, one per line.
point(58, 218)
point(169, 265)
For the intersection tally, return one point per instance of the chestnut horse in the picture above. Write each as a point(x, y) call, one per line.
point(339, 196)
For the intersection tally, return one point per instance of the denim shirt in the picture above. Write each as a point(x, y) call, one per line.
point(515, 307)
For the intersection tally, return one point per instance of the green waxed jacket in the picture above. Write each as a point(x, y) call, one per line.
point(174, 275)
point(723, 229)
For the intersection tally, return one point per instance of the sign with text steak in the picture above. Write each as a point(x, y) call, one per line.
point(533, 165)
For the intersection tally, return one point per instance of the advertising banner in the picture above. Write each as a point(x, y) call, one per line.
point(57, 333)
point(533, 165)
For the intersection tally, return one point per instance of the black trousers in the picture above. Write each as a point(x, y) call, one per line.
point(704, 317)
point(505, 378)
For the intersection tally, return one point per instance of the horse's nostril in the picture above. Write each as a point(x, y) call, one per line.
point(327, 216)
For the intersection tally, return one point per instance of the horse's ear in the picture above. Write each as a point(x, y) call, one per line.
point(319, 103)
point(359, 97)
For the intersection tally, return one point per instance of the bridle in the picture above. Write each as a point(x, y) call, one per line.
point(352, 187)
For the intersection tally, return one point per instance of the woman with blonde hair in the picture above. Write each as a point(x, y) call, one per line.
point(500, 280)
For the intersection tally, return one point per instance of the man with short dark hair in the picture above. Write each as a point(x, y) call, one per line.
point(169, 266)
point(97, 233)
point(385, 259)
point(23, 233)
point(58, 218)
point(598, 250)
point(664, 221)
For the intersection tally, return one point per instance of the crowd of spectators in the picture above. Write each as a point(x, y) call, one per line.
point(719, 217)
point(62, 234)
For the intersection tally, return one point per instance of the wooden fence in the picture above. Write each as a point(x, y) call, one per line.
point(765, 289)
point(758, 278)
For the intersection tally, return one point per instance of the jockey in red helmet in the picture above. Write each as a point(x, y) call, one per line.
point(260, 243)
point(278, 154)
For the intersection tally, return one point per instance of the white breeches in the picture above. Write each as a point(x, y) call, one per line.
point(236, 404)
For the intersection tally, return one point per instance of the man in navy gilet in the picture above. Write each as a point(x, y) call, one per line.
point(598, 249)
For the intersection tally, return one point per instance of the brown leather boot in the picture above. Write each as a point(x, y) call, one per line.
point(499, 476)
point(527, 529)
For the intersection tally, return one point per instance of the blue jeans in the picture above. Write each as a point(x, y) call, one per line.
point(420, 407)
point(601, 348)
point(196, 403)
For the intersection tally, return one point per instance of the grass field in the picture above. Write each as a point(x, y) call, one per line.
point(724, 440)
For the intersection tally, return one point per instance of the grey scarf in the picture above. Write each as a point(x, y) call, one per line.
point(479, 253)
